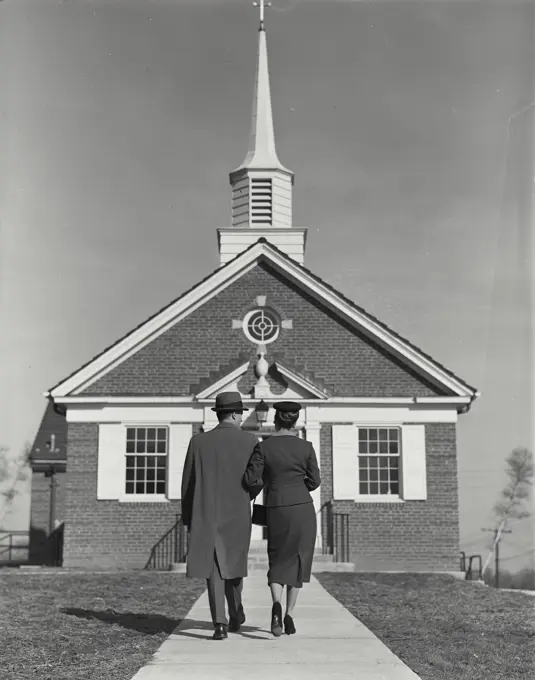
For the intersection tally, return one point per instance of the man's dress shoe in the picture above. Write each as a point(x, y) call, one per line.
point(220, 632)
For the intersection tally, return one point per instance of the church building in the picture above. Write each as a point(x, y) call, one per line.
point(380, 413)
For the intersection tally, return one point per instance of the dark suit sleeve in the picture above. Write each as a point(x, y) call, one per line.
point(253, 477)
point(188, 485)
point(312, 479)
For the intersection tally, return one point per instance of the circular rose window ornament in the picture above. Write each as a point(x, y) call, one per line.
point(261, 325)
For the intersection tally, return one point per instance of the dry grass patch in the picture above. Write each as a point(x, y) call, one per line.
point(74, 626)
point(442, 628)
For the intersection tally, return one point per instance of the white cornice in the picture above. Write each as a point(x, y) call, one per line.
point(122, 400)
point(320, 402)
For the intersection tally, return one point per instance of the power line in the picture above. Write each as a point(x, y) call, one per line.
point(513, 557)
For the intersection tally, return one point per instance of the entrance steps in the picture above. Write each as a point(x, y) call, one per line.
point(258, 560)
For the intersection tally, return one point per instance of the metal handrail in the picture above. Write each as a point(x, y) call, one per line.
point(470, 570)
point(335, 533)
point(171, 548)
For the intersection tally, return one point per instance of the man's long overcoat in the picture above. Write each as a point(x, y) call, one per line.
point(216, 507)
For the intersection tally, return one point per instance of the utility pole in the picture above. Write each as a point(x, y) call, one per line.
point(497, 538)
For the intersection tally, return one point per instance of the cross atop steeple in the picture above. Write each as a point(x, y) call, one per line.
point(262, 4)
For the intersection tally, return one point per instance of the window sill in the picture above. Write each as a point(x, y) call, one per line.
point(379, 499)
point(143, 499)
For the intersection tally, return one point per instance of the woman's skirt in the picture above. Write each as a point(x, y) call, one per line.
point(291, 536)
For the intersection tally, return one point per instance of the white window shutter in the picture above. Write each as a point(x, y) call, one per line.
point(111, 461)
point(345, 462)
point(179, 437)
point(413, 464)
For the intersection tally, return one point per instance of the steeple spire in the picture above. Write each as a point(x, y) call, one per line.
point(261, 185)
point(262, 153)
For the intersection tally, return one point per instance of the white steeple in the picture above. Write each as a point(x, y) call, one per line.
point(261, 185)
point(262, 154)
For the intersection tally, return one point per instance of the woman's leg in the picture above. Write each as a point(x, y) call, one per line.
point(291, 599)
point(276, 592)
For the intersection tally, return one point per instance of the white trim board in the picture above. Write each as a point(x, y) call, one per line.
point(131, 414)
point(429, 402)
point(228, 274)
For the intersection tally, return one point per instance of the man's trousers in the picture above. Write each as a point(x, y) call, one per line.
point(219, 589)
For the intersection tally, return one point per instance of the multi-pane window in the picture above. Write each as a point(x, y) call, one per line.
point(146, 460)
point(379, 461)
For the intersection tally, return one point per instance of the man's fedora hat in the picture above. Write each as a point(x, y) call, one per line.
point(229, 402)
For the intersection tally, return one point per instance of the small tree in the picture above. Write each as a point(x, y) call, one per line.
point(519, 469)
point(12, 472)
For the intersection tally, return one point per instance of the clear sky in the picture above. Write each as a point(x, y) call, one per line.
point(406, 124)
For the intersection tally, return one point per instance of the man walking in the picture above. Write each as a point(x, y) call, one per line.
point(216, 509)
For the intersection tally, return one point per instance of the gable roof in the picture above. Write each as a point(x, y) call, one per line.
point(224, 276)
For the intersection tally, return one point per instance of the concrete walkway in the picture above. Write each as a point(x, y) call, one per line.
point(329, 643)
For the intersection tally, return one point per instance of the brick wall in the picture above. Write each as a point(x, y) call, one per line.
point(416, 535)
point(106, 534)
point(326, 463)
point(411, 536)
point(202, 342)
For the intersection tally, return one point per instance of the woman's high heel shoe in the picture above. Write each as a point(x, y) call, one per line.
point(276, 619)
point(289, 627)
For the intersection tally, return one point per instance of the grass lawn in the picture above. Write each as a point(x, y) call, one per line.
point(74, 626)
point(442, 628)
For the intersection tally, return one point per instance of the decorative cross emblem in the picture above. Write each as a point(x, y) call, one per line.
point(262, 4)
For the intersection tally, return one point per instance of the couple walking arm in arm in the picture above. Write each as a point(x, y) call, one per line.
point(224, 470)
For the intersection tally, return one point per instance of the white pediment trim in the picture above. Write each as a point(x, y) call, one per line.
point(303, 383)
point(229, 382)
point(297, 386)
point(224, 277)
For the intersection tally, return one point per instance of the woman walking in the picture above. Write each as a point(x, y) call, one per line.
point(288, 469)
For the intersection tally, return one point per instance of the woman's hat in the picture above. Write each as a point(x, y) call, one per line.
point(229, 402)
point(287, 406)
